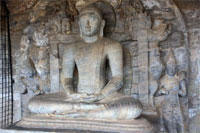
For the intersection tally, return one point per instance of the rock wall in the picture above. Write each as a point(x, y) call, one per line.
point(39, 29)
point(191, 12)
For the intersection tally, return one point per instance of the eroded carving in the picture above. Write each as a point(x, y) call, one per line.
point(39, 58)
point(172, 85)
point(158, 33)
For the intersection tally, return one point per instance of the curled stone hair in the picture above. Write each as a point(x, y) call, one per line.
point(91, 9)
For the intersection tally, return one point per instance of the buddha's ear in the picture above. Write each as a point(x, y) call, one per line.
point(102, 27)
point(81, 34)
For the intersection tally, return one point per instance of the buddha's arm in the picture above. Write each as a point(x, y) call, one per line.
point(115, 57)
point(68, 69)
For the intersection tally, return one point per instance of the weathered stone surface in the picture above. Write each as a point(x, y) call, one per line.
point(53, 26)
point(151, 3)
point(40, 38)
point(59, 38)
point(127, 21)
point(194, 93)
point(194, 34)
point(17, 109)
point(66, 26)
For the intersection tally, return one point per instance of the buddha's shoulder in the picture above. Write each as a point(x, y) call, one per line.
point(111, 43)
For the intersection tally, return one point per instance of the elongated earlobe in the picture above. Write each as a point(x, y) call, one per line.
point(101, 28)
point(81, 34)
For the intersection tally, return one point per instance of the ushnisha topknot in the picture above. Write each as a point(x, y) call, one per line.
point(91, 9)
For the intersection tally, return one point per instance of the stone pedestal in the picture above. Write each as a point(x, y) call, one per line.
point(140, 125)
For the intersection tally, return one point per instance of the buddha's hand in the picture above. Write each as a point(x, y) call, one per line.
point(84, 97)
point(91, 98)
point(77, 96)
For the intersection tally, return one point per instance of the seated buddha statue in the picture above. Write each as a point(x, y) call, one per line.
point(95, 97)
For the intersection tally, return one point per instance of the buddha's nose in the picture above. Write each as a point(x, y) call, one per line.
point(88, 24)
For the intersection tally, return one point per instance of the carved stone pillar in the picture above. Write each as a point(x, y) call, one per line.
point(54, 69)
point(142, 38)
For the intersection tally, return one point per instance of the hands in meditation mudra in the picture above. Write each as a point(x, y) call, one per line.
point(95, 97)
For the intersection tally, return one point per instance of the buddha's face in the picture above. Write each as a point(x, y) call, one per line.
point(171, 70)
point(90, 24)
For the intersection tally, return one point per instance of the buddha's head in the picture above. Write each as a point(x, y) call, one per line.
point(91, 22)
point(171, 64)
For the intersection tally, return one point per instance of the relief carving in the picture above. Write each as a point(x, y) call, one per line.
point(158, 33)
point(148, 30)
point(172, 85)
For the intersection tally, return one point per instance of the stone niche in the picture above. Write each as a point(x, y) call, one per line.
point(147, 30)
